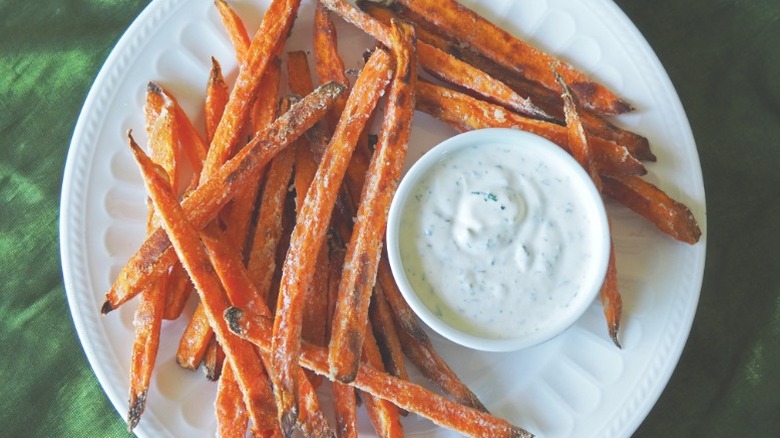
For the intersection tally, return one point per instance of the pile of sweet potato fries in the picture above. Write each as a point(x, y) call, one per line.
point(281, 236)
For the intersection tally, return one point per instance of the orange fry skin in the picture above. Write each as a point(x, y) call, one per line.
point(194, 258)
point(670, 216)
point(364, 249)
point(404, 394)
point(155, 256)
point(309, 232)
point(466, 113)
point(470, 28)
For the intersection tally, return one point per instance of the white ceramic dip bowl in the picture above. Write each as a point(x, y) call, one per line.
point(498, 239)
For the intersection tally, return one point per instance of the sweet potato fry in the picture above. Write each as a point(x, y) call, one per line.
point(314, 327)
point(364, 249)
point(309, 232)
point(328, 63)
point(149, 315)
point(466, 113)
point(330, 67)
point(386, 335)
point(307, 156)
point(191, 252)
point(670, 216)
point(235, 29)
point(611, 300)
point(155, 256)
point(344, 397)
point(217, 95)
point(468, 27)
point(147, 322)
point(402, 393)
point(231, 413)
point(192, 145)
point(274, 28)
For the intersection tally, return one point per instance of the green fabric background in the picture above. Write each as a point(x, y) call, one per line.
point(723, 57)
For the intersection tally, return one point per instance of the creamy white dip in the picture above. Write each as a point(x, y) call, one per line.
point(496, 240)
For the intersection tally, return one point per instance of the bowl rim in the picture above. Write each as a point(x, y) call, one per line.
point(513, 137)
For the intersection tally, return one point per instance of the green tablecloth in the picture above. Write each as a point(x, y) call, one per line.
point(723, 57)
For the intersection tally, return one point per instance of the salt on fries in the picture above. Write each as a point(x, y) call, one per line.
point(293, 290)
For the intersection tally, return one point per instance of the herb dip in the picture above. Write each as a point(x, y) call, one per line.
point(497, 239)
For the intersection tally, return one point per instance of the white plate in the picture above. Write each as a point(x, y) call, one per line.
point(578, 384)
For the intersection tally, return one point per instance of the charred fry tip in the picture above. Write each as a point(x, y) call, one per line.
point(106, 307)
point(346, 378)
point(153, 87)
point(215, 65)
point(137, 404)
point(613, 335)
point(622, 107)
point(333, 88)
point(233, 316)
point(288, 421)
point(212, 374)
